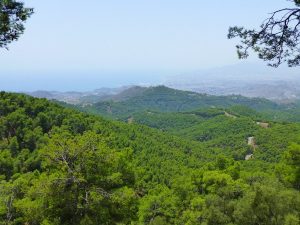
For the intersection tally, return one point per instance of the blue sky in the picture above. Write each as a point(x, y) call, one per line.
point(82, 45)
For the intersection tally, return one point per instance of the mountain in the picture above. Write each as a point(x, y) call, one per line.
point(64, 156)
point(252, 80)
point(61, 166)
point(73, 97)
point(164, 99)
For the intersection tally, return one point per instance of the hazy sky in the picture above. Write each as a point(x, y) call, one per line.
point(82, 45)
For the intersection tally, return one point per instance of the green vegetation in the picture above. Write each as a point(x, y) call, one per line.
point(276, 41)
point(61, 166)
point(13, 15)
point(164, 99)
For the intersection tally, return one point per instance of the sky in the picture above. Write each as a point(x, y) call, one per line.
point(84, 45)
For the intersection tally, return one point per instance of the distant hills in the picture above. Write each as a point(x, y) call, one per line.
point(163, 99)
point(250, 80)
point(122, 103)
point(281, 85)
point(75, 97)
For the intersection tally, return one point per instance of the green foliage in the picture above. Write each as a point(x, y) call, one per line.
point(164, 99)
point(277, 39)
point(60, 166)
point(13, 15)
point(292, 159)
point(268, 204)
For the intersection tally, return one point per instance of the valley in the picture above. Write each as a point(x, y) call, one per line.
point(149, 112)
point(147, 156)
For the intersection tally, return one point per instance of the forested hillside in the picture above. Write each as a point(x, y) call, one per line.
point(227, 129)
point(61, 166)
point(163, 99)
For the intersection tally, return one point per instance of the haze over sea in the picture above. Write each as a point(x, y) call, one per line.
point(124, 42)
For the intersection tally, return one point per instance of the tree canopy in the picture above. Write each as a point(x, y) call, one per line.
point(13, 15)
point(62, 167)
point(277, 40)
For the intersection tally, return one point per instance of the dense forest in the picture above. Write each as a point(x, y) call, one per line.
point(208, 166)
point(151, 155)
point(164, 99)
